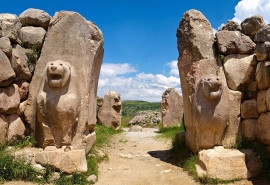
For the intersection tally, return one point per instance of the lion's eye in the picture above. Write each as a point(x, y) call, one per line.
point(51, 64)
point(209, 79)
point(61, 64)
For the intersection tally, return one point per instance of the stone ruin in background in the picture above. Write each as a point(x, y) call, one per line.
point(172, 108)
point(110, 109)
point(60, 110)
point(225, 80)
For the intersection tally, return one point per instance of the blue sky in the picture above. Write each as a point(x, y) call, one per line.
point(139, 37)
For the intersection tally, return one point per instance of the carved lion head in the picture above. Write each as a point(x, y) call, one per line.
point(211, 86)
point(58, 73)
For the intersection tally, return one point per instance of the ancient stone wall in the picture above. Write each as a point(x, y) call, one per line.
point(48, 83)
point(225, 81)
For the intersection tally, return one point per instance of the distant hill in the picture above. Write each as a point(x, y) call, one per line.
point(131, 107)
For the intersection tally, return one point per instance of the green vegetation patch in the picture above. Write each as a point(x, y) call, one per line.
point(130, 108)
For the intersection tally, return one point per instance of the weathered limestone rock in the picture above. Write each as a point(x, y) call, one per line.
point(7, 75)
point(249, 109)
point(3, 129)
point(250, 26)
point(263, 34)
point(64, 84)
point(143, 118)
point(267, 99)
point(172, 108)
point(263, 75)
point(23, 89)
point(233, 131)
point(205, 93)
point(19, 63)
point(109, 114)
point(231, 25)
point(10, 27)
point(16, 129)
point(35, 17)
point(263, 51)
point(32, 36)
point(228, 164)
point(261, 101)
point(263, 128)
point(66, 159)
point(249, 129)
point(5, 46)
point(234, 42)
point(239, 70)
point(10, 99)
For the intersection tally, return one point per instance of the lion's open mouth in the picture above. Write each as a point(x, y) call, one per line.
point(56, 79)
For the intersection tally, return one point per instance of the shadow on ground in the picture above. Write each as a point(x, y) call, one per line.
point(165, 156)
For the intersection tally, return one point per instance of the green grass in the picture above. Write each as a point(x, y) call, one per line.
point(130, 108)
point(170, 132)
point(14, 169)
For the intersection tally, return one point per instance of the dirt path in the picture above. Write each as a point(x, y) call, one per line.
point(136, 158)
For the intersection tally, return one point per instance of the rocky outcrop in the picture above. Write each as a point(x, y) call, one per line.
point(109, 114)
point(172, 108)
point(144, 118)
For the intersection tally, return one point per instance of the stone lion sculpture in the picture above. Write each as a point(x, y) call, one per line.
point(58, 104)
point(211, 117)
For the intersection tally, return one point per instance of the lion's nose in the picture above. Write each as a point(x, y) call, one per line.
point(53, 68)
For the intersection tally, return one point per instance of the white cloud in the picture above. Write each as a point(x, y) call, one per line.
point(111, 69)
point(174, 68)
point(248, 8)
point(140, 86)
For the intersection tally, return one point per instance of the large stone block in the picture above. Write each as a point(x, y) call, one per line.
point(172, 108)
point(261, 101)
point(16, 129)
point(228, 164)
point(263, 51)
point(263, 128)
point(5, 46)
point(64, 84)
point(251, 25)
point(249, 109)
point(263, 34)
point(109, 114)
point(19, 63)
point(10, 27)
point(249, 129)
point(10, 99)
point(234, 42)
point(32, 37)
point(3, 129)
point(35, 17)
point(239, 70)
point(65, 159)
point(263, 75)
point(7, 75)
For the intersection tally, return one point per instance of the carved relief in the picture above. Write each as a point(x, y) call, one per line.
point(58, 104)
point(211, 117)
